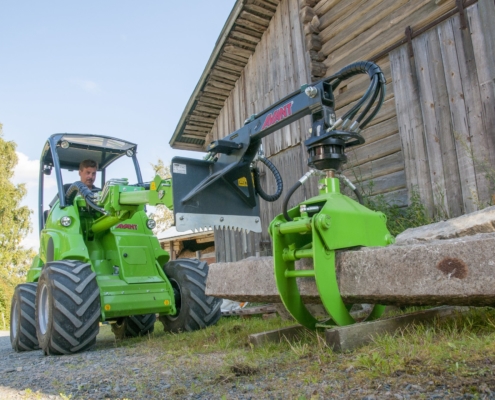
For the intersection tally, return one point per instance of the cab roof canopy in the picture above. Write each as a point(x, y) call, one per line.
point(72, 148)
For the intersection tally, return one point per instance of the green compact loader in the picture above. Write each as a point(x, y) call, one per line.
point(99, 260)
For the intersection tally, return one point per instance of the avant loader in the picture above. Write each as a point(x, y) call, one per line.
point(99, 261)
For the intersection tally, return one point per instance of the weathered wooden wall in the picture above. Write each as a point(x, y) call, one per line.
point(408, 143)
point(446, 111)
point(278, 67)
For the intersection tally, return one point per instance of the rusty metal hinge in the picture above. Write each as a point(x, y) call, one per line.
point(409, 35)
point(462, 13)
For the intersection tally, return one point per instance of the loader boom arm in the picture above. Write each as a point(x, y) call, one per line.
point(228, 172)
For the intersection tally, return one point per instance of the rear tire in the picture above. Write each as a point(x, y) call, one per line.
point(67, 307)
point(195, 310)
point(134, 326)
point(22, 318)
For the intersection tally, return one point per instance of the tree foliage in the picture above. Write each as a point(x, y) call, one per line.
point(14, 226)
point(162, 215)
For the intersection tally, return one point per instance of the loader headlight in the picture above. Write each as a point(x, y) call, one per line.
point(64, 144)
point(65, 221)
point(151, 224)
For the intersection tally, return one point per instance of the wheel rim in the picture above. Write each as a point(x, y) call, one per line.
point(178, 299)
point(14, 317)
point(43, 310)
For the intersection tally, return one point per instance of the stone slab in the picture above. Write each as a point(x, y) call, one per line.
point(482, 221)
point(347, 338)
point(290, 333)
point(459, 271)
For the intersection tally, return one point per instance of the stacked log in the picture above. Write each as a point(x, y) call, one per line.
point(311, 26)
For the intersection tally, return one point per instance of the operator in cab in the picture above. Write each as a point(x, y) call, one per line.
point(87, 173)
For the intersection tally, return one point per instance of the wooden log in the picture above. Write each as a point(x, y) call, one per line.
point(375, 150)
point(241, 43)
point(244, 36)
point(307, 3)
point(254, 18)
point(358, 22)
point(379, 131)
point(341, 10)
point(313, 42)
point(385, 33)
point(266, 4)
point(376, 168)
point(317, 68)
point(260, 11)
point(224, 75)
point(207, 110)
point(310, 29)
point(384, 184)
point(307, 14)
point(251, 25)
point(248, 31)
point(196, 128)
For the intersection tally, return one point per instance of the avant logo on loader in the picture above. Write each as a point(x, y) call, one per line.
point(278, 115)
point(127, 226)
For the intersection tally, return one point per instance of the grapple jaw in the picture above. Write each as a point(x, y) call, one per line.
point(210, 194)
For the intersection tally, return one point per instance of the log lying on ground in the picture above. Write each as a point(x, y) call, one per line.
point(420, 269)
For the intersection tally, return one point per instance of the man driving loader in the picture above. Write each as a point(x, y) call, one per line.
point(87, 173)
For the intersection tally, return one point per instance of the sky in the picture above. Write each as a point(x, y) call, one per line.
point(118, 68)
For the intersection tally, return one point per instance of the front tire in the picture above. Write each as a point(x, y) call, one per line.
point(67, 307)
point(134, 326)
point(22, 318)
point(195, 310)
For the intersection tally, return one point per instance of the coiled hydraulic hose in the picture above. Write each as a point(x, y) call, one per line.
point(375, 90)
point(278, 180)
point(85, 192)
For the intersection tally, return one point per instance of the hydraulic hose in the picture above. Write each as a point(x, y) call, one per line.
point(278, 180)
point(85, 192)
point(359, 197)
point(287, 198)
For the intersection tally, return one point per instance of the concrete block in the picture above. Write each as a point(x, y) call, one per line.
point(291, 333)
point(347, 338)
point(458, 271)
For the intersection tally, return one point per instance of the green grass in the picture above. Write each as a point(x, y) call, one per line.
point(458, 350)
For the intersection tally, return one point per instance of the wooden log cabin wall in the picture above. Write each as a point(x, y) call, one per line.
point(434, 134)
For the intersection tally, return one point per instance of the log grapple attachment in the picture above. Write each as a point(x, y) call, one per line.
point(223, 190)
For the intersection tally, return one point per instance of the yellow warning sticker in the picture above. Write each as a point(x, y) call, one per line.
point(242, 182)
point(153, 186)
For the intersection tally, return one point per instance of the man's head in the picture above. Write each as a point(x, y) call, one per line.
point(87, 172)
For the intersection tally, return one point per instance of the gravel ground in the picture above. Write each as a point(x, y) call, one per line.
point(141, 371)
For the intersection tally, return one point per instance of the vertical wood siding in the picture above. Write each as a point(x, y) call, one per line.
point(446, 111)
point(278, 67)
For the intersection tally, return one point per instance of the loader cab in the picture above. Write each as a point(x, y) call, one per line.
point(63, 153)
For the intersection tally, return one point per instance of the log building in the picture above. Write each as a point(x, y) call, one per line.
point(434, 135)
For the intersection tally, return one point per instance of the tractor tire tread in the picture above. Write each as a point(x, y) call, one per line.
point(25, 338)
point(197, 310)
point(74, 311)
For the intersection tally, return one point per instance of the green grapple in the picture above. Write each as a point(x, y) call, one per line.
point(99, 260)
point(319, 227)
